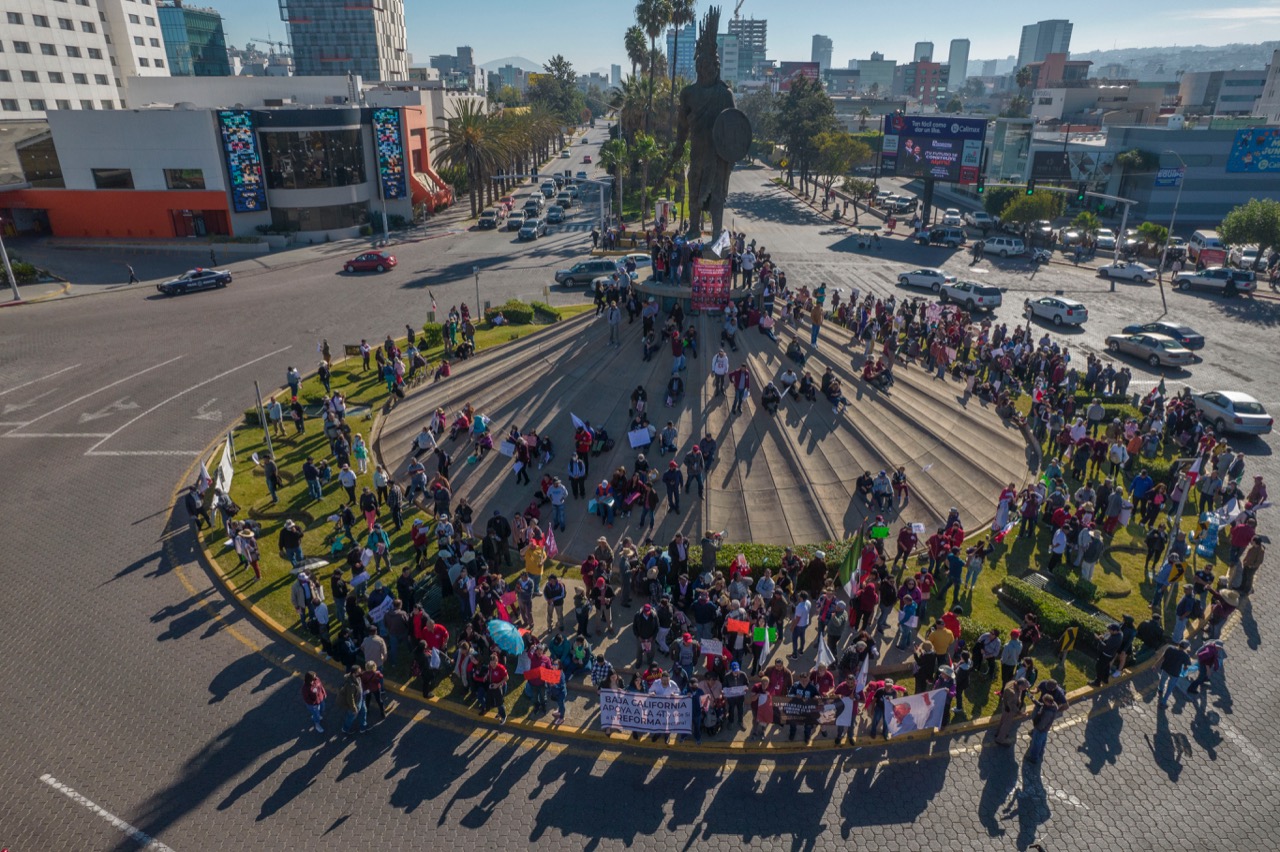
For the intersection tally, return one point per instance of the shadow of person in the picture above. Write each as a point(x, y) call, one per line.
point(1249, 624)
point(1029, 802)
point(1168, 748)
point(998, 768)
point(1102, 737)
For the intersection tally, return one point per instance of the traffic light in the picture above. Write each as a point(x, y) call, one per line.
point(1031, 187)
point(982, 184)
point(1080, 190)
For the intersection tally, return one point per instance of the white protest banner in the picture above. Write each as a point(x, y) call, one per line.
point(641, 713)
point(734, 691)
point(914, 712)
point(712, 647)
point(639, 438)
point(506, 448)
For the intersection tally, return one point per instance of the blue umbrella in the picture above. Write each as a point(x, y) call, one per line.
point(506, 636)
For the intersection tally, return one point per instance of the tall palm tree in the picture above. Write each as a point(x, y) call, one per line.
point(634, 43)
point(614, 157)
point(470, 140)
point(653, 16)
point(863, 115)
point(632, 101)
point(682, 14)
point(643, 151)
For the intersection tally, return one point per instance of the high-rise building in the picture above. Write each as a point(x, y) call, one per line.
point(875, 75)
point(957, 64)
point(752, 33)
point(821, 52)
point(338, 37)
point(193, 40)
point(615, 76)
point(680, 50)
point(65, 55)
point(730, 54)
point(923, 51)
point(989, 67)
point(1042, 38)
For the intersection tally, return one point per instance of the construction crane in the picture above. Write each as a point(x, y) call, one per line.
point(283, 45)
point(738, 9)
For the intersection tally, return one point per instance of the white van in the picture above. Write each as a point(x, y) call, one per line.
point(1203, 240)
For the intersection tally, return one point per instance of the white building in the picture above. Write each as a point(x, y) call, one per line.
point(729, 48)
point(1268, 103)
point(957, 64)
point(75, 54)
point(821, 52)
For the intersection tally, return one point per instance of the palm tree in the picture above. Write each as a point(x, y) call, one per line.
point(643, 151)
point(653, 16)
point(471, 140)
point(614, 157)
point(682, 14)
point(634, 43)
point(863, 115)
point(1023, 78)
point(632, 101)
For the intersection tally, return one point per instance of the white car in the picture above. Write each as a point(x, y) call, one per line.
point(1217, 278)
point(1244, 257)
point(1232, 411)
point(979, 219)
point(1057, 310)
point(1156, 349)
point(1123, 270)
point(951, 217)
point(926, 278)
point(972, 295)
point(1105, 239)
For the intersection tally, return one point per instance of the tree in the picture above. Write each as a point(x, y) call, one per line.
point(644, 151)
point(632, 101)
point(806, 112)
point(996, 198)
point(858, 188)
point(653, 16)
point(614, 157)
point(973, 88)
point(836, 153)
point(1023, 78)
point(509, 95)
point(761, 108)
point(557, 90)
point(954, 105)
point(1152, 234)
point(863, 115)
point(1257, 222)
point(469, 140)
point(1086, 221)
point(1019, 107)
point(634, 44)
point(682, 14)
point(1025, 209)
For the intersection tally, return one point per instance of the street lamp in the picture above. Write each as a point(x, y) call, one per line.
point(475, 270)
point(1173, 218)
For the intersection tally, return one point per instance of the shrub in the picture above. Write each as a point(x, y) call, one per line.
point(1077, 586)
point(970, 629)
point(515, 311)
point(24, 272)
point(1055, 615)
point(433, 335)
point(545, 312)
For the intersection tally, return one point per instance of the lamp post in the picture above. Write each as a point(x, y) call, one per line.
point(8, 269)
point(1173, 218)
point(475, 270)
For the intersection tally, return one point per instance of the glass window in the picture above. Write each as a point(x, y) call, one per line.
point(30, 77)
point(38, 104)
point(100, 79)
point(8, 104)
point(64, 104)
point(21, 47)
point(48, 50)
point(73, 51)
point(108, 104)
point(313, 159)
point(320, 218)
point(155, 42)
point(89, 27)
point(139, 40)
point(151, 22)
point(95, 53)
point(56, 77)
point(134, 19)
point(66, 24)
point(112, 178)
point(159, 63)
point(4, 76)
point(40, 20)
point(15, 18)
point(184, 178)
point(81, 79)
point(144, 62)
point(86, 104)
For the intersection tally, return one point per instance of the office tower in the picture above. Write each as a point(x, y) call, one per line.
point(924, 50)
point(615, 76)
point(685, 44)
point(1041, 39)
point(821, 52)
point(193, 41)
point(338, 37)
point(957, 63)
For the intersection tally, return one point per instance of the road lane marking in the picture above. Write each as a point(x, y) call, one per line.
point(130, 453)
point(83, 397)
point(55, 435)
point(41, 379)
point(146, 841)
point(196, 386)
point(11, 407)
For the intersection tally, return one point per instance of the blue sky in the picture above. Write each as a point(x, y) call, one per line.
point(592, 38)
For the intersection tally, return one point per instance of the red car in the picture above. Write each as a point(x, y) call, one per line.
point(586, 158)
point(371, 261)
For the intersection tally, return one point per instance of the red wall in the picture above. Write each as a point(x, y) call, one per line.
point(113, 212)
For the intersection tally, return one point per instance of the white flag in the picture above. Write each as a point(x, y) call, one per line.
point(721, 243)
point(764, 652)
point(824, 652)
point(860, 682)
point(203, 481)
point(577, 423)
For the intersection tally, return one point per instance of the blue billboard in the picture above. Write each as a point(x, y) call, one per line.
point(941, 147)
point(1255, 150)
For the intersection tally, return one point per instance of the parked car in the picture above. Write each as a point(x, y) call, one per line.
point(883, 196)
point(925, 278)
point(532, 229)
point(196, 279)
point(1232, 411)
point(515, 221)
point(1128, 270)
point(906, 204)
point(972, 295)
point(1070, 236)
point(979, 219)
point(1219, 278)
point(949, 237)
point(585, 271)
point(555, 214)
point(1105, 239)
point(1156, 349)
point(1057, 310)
point(951, 217)
point(1187, 336)
point(371, 261)
point(491, 218)
point(1244, 257)
point(1004, 246)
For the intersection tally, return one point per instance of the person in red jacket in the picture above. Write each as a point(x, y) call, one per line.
point(956, 535)
point(868, 598)
point(314, 695)
point(938, 547)
point(907, 540)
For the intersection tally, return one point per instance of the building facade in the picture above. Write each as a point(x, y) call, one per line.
point(753, 35)
point(194, 41)
point(1221, 92)
point(875, 75)
point(957, 64)
point(1268, 105)
point(687, 41)
point(340, 37)
point(923, 50)
point(730, 57)
point(821, 52)
point(1042, 38)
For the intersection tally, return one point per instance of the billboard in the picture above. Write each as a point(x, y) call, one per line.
point(1169, 177)
point(789, 71)
point(1255, 150)
point(390, 149)
point(1072, 166)
point(943, 148)
point(244, 162)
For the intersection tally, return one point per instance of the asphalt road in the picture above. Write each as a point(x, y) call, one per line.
point(143, 704)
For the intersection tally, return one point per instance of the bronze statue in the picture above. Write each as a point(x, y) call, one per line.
point(719, 134)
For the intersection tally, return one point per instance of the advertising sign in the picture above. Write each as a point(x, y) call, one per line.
point(1071, 166)
point(710, 284)
point(390, 150)
point(1255, 150)
point(788, 72)
point(944, 148)
point(641, 713)
point(244, 161)
point(1169, 177)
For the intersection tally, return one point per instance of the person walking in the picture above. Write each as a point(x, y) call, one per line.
point(741, 381)
point(1210, 659)
point(1109, 644)
point(1173, 663)
point(720, 370)
point(1041, 721)
point(314, 695)
point(613, 317)
point(673, 479)
point(351, 699)
point(133, 279)
point(815, 319)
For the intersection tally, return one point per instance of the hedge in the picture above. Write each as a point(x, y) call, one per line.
point(515, 311)
point(1055, 614)
point(1076, 585)
point(432, 335)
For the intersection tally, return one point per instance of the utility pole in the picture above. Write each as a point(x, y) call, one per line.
point(475, 270)
point(1173, 218)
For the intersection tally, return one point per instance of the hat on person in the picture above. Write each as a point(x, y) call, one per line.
point(602, 540)
point(1015, 633)
point(651, 574)
point(888, 681)
point(946, 671)
point(688, 637)
point(246, 533)
point(646, 609)
point(1185, 643)
point(1217, 643)
point(821, 554)
point(672, 464)
point(1231, 597)
point(733, 667)
point(841, 605)
point(859, 646)
point(469, 557)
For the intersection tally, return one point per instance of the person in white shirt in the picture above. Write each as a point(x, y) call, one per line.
point(790, 382)
point(799, 624)
point(720, 369)
point(663, 687)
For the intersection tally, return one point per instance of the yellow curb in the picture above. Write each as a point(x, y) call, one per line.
point(62, 291)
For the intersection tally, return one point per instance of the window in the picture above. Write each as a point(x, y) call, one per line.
point(66, 24)
point(134, 19)
point(8, 104)
point(88, 26)
point(159, 63)
point(40, 20)
point(155, 42)
point(48, 50)
point(64, 104)
point(30, 77)
point(95, 53)
point(81, 79)
point(139, 40)
point(15, 18)
point(100, 79)
point(184, 178)
point(144, 62)
point(112, 178)
point(82, 2)
point(21, 47)
point(56, 77)
point(108, 104)
point(86, 104)
point(320, 218)
point(312, 159)
point(73, 51)
point(151, 22)
point(38, 104)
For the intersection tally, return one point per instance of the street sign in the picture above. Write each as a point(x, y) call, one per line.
point(1169, 177)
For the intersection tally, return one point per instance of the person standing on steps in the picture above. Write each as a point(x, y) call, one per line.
point(693, 469)
point(613, 316)
point(673, 479)
point(815, 318)
point(720, 370)
point(741, 381)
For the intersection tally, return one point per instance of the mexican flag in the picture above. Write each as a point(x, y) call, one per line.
point(849, 573)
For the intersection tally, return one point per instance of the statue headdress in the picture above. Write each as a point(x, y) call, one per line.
point(706, 46)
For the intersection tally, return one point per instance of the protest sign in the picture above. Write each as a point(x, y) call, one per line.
point(789, 710)
point(641, 713)
point(914, 712)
